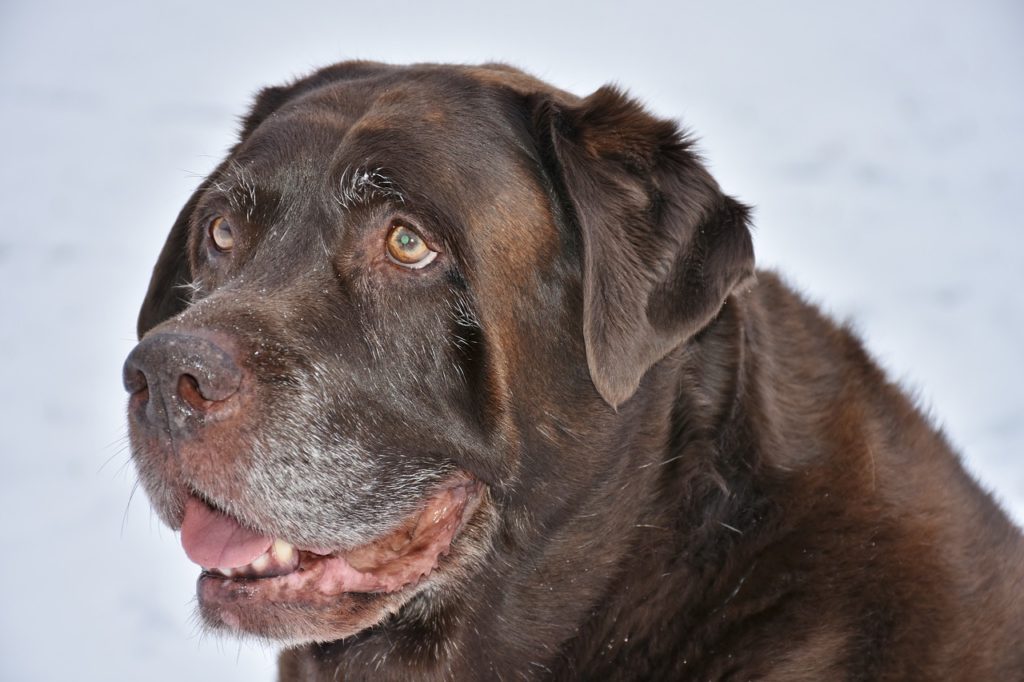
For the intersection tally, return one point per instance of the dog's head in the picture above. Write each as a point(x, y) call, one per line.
point(388, 337)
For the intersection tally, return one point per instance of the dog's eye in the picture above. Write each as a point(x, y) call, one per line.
point(408, 249)
point(221, 234)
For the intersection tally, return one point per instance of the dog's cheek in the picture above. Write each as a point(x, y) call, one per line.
point(362, 406)
point(470, 388)
point(344, 453)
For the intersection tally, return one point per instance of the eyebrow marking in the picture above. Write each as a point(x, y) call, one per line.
point(238, 186)
point(245, 194)
point(364, 185)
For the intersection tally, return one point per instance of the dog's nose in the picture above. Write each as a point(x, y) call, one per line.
point(176, 380)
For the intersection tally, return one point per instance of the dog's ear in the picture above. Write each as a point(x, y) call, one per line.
point(167, 296)
point(267, 102)
point(663, 247)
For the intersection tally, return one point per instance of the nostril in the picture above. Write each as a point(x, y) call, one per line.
point(134, 380)
point(188, 389)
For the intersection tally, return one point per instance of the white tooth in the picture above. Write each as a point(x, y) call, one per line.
point(226, 572)
point(283, 551)
point(261, 562)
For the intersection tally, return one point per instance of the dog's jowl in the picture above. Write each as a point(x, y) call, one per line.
point(447, 374)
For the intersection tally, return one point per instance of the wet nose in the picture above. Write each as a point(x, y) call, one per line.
point(177, 380)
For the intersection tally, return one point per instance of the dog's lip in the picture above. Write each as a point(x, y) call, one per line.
point(396, 560)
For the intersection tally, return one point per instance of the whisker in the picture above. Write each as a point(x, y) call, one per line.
point(128, 506)
point(124, 447)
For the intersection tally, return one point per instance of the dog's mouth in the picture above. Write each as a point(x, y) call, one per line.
point(247, 575)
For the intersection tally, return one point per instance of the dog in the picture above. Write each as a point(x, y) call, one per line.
point(447, 374)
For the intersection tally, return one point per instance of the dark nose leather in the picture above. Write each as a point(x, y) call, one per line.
point(177, 380)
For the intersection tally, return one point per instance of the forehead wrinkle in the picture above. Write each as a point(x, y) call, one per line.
point(293, 147)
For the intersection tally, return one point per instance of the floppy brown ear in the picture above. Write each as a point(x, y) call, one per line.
point(165, 296)
point(662, 245)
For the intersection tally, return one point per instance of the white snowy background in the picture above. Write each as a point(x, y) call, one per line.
point(881, 142)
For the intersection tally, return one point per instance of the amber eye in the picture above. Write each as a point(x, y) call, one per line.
point(407, 248)
point(221, 234)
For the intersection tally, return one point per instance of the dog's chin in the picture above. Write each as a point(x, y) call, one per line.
point(239, 609)
point(295, 595)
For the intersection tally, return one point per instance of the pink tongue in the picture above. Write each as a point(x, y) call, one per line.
point(214, 540)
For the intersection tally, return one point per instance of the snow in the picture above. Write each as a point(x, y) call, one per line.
point(880, 142)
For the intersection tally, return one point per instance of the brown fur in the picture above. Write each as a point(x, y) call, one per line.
point(691, 473)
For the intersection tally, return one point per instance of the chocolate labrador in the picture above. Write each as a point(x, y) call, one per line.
point(448, 374)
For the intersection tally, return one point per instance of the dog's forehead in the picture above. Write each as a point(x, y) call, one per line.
point(451, 141)
point(447, 124)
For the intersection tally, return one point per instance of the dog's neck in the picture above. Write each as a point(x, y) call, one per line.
point(705, 479)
